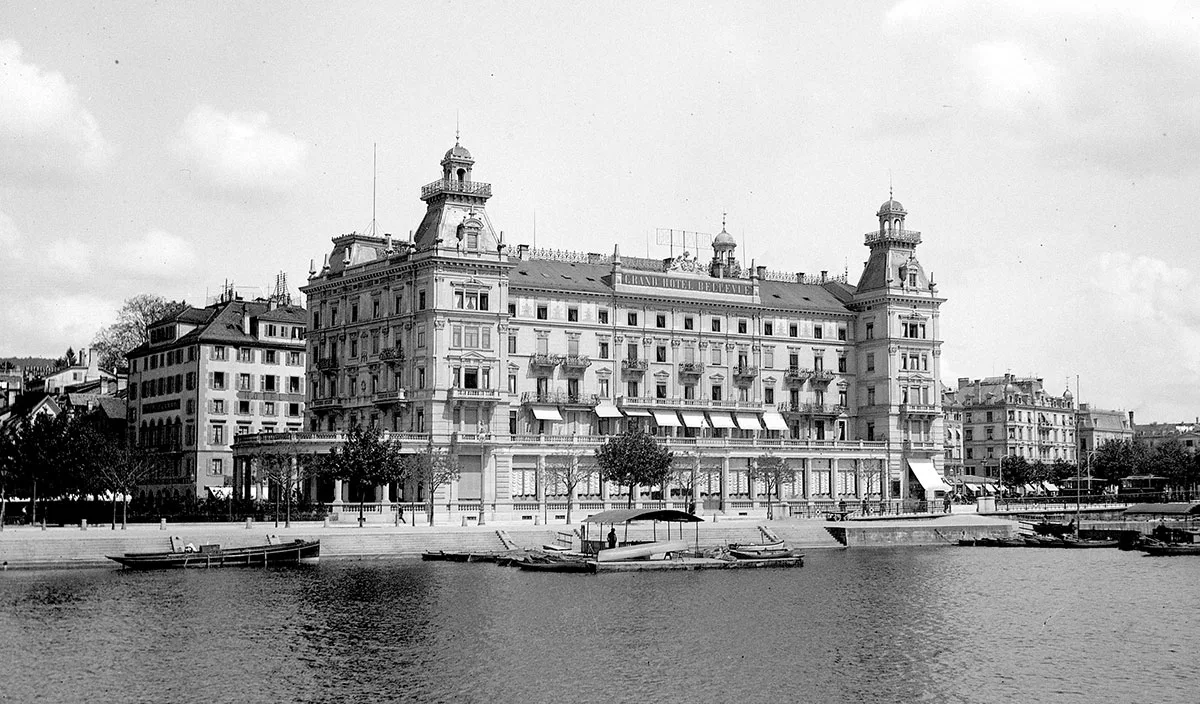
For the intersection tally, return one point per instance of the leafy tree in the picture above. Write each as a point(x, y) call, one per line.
point(1172, 461)
point(10, 473)
point(135, 316)
point(366, 458)
point(1060, 470)
point(1015, 471)
point(634, 458)
point(42, 457)
point(773, 472)
point(1115, 459)
point(568, 472)
point(433, 469)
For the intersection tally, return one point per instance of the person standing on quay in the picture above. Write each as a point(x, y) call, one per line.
point(612, 537)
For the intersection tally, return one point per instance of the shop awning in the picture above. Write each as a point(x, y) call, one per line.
point(665, 418)
point(774, 421)
point(927, 475)
point(607, 410)
point(748, 421)
point(546, 413)
point(721, 420)
point(1049, 486)
point(693, 419)
point(637, 412)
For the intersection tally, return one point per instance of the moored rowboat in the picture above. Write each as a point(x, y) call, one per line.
point(215, 556)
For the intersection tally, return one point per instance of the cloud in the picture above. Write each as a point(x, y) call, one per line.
point(239, 153)
point(46, 136)
point(1095, 83)
point(60, 291)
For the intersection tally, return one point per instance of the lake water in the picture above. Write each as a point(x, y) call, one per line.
point(864, 625)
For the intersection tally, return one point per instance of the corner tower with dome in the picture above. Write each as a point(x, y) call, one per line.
point(899, 347)
point(521, 360)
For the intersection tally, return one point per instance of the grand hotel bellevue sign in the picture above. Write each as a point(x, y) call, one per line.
point(696, 284)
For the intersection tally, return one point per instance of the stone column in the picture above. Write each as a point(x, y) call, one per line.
point(725, 483)
point(338, 499)
point(541, 482)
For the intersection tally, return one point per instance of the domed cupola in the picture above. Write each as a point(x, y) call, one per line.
point(891, 216)
point(723, 243)
point(456, 165)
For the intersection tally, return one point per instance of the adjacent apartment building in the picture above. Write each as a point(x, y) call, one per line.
point(1010, 415)
point(517, 357)
point(209, 374)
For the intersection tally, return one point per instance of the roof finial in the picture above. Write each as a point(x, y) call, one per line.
point(456, 130)
point(890, 184)
point(723, 214)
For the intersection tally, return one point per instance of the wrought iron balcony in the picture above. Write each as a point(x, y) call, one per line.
point(449, 185)
point(327, 363)
point(812, 409)
point(576, 362)
point(904, 236)
point(544, 361)
point(318, 404)
point(691, 369)
point(745, 372)
point(920, 409)
point(797, 375)
point(822, 376)
point(393, 355)
point(634, 366)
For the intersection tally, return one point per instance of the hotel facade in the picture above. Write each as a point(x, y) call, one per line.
point(518, 359)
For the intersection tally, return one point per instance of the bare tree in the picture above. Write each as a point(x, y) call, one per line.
point(773, 471)
point(130, 330)
point(432, 469)
point(280, 466)
point(687, 476)
point(569, 472)
point(119, 470)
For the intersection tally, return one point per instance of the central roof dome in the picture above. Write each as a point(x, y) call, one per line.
point(457, 152)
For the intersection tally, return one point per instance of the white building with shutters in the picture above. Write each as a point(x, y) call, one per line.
point(517, 358)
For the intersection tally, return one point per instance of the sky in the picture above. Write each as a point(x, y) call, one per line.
point(1046, 151)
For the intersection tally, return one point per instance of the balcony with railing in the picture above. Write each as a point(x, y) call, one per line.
point(811, 409)
point(457, 393)
point(920, 409)
point(634, 366)
point(450, 185)
point(576, 362)
point(744, 373)
point(822, 376)
point(392, 355)
point(903, 236)
point(797, 375)
point(691, 370)
point(390, 396)
point(326, 364)
point(544, 361)
point(324, 404)
point(560, 398)
point(691, 404)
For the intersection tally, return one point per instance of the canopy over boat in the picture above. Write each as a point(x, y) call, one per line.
point(626, 515)
point(1174, 509)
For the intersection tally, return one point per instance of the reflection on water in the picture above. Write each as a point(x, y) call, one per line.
point(871, 625)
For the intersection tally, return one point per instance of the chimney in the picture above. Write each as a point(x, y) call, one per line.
point(523, 252)
point(760, 271)
point(824, 273)
point(245, 320)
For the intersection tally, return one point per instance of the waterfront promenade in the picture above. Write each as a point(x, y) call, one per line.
point(70, 546)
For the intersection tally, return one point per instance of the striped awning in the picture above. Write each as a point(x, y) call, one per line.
point(720, 420)
point(607, 410)
point(665, 418)
point(546, 413)
point(748, 421)
point(774, 421)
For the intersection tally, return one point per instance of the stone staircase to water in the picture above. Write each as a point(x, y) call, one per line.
point(69, 550)
point(371, 544)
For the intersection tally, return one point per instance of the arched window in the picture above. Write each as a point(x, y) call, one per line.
point(462, 175)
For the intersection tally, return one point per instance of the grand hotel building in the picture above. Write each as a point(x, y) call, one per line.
point(517, 357)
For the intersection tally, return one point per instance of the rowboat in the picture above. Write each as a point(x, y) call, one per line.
point(759, 547)
point(655, 550)
point(1161, 549)
point(762, 554)
point(564, 565)
point(215, 556)
point(1072, 542)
